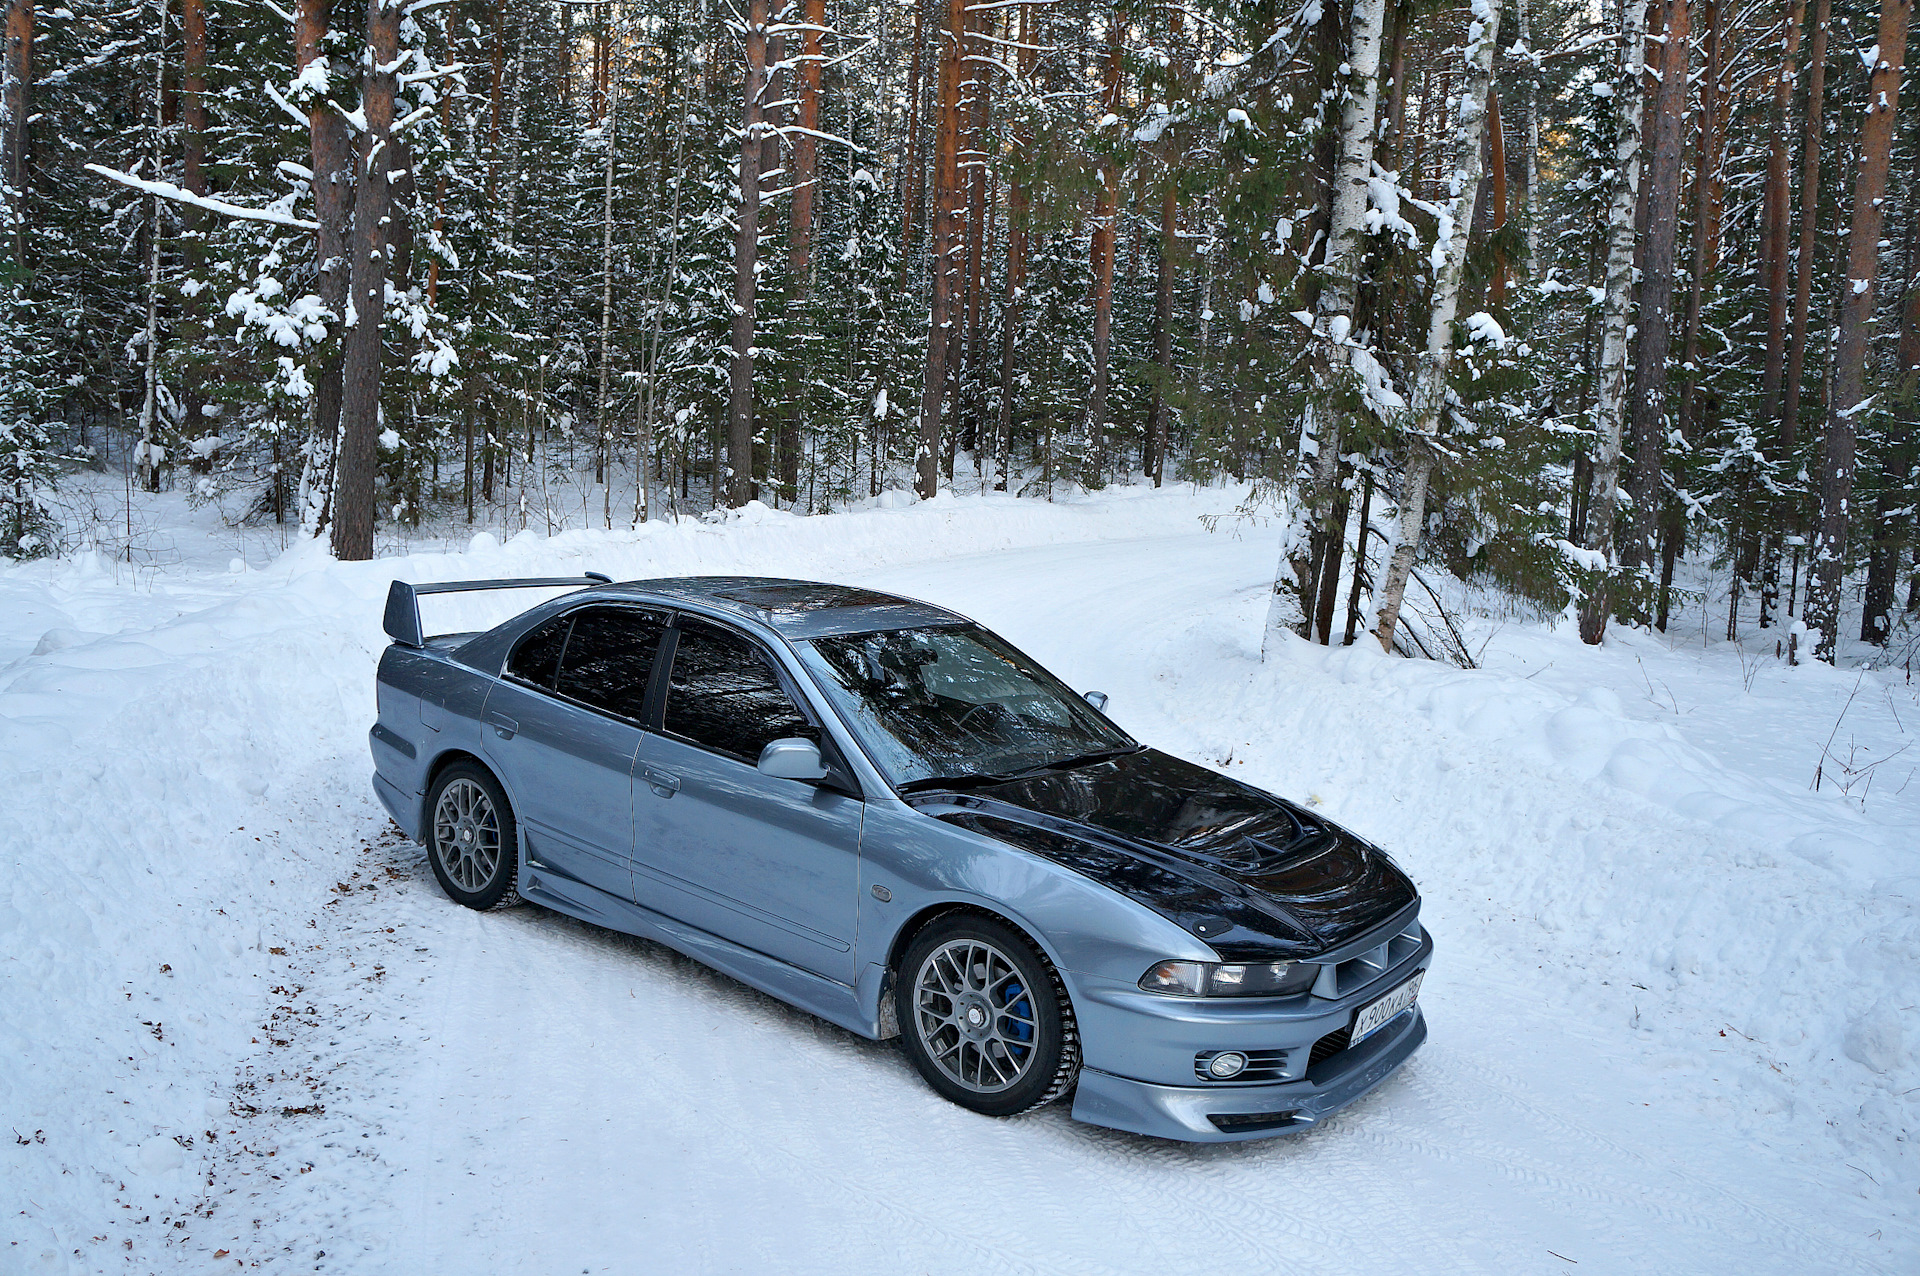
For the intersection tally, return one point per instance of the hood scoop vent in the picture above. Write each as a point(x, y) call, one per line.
point(1261, 856)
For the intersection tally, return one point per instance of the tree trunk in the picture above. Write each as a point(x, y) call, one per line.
point(1106, 216)
point(149, 458)
point(1497, 161)
point(911, 183)
point(1706, 172)
point(1354, 616)
point(16, 103)
point(1413, 513)
point(496, 90)
point(1530, 102)
point(373, 213)
point(1787, 516)
point(603, 456)
point(806, 151)
point(1311, 553)
point(602, 66)
point(1655, 325)
point(979, 219)
point(1162, 335)
point(193, 102)
point(193, 177)
point(1856, 314)
point(1893, 511)
point(806, 171)
point(332, 154)
point(650, 393)
point(1329, 567)
point(1778, 201)
point(1430, 390)
point(1809, 227)
point(1396, 133)
point(1016, 273)
point(771, 426)
point(1706, 176)
point(1611, 398)
point(946, 246)
point(746, 244)
point(439, 209)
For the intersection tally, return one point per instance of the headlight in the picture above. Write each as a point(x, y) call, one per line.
point(1211, 979)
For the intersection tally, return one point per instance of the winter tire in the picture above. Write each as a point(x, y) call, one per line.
point(984, 1016)
point(472, 841)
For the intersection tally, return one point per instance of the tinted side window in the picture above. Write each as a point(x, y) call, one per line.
point(724, 695)
point(537, 657)
point(609, 658)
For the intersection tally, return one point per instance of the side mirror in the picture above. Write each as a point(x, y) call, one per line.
point(1098, 699)
point(792, 759)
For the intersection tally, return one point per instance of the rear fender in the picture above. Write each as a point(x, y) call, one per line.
point(429, 707)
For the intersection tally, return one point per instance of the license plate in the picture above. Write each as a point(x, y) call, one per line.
point(1375, 1014)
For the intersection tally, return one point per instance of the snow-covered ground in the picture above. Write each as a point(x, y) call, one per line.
point(1675, 1015)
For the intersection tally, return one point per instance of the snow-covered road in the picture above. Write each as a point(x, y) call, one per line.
point(1640, 1007)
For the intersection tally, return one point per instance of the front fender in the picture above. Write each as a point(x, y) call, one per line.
point(921, 863)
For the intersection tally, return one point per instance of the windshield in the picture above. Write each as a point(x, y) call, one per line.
point(955, 704)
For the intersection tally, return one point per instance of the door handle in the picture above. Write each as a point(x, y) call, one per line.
point(662, 784)
point(504, 725)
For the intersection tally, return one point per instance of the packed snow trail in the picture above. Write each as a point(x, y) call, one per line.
point(393, 1083)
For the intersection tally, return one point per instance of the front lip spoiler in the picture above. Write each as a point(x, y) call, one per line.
point(1185, 1112)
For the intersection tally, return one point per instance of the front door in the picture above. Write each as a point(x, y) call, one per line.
point(771, 864)
point(563, 726)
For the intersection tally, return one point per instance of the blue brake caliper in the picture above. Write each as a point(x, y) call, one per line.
point(1016, 1001)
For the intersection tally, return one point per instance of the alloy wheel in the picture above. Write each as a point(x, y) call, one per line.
point(974, 1015)
point(466, 835)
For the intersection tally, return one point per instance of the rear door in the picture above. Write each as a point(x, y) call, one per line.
point(769, 863)
point(563, 726)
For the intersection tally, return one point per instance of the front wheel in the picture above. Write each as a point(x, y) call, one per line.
point(472, 841)
point(984, 1017)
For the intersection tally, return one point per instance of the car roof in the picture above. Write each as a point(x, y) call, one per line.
point(794, 608)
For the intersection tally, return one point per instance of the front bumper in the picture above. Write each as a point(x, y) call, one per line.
point(1144, 1052)
point(1230, 1114)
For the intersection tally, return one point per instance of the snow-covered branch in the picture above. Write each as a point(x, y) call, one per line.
point(299, 117)
point(168, 191)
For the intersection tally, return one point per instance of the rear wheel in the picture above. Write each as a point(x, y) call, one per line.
point(984, 1016)
point(472, 841)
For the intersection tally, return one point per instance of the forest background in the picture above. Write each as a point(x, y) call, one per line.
point(1549, 294)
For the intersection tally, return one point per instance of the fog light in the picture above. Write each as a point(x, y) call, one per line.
point(1228, 1063)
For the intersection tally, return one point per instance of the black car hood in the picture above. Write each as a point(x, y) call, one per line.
point(1253, 875)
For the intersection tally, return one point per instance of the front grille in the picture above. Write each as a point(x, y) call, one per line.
point(1330, 1045)
point(1249, 1122)
point(1262, 1065)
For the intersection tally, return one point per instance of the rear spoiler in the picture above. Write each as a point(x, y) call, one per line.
point(403, 599)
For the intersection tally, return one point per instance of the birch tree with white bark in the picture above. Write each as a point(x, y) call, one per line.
point(1338, 347)
point(1611, 400)
point(1425, 418)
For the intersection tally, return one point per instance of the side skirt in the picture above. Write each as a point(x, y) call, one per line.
point(836, 1003)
